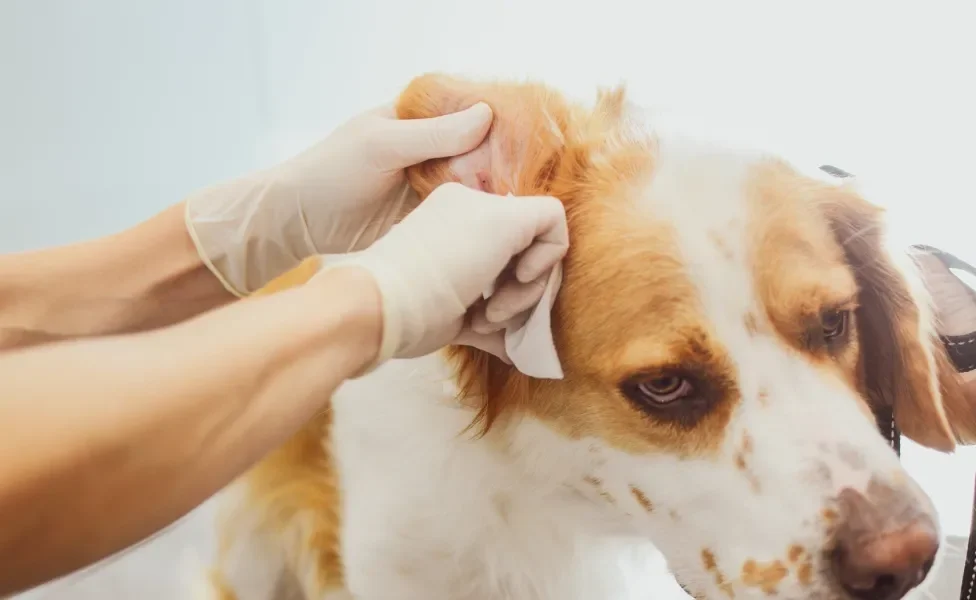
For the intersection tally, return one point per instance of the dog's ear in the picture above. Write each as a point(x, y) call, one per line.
point(539, 143)
point(530, 148)
point(903, 364)
point(523, 149)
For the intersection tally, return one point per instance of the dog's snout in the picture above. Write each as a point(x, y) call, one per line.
point(884, 546)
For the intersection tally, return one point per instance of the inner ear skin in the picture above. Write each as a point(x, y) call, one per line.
point(532, 125)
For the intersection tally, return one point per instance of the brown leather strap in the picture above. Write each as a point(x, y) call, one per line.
point(962, 351)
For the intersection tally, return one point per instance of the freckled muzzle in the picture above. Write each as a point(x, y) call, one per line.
point(884, 543)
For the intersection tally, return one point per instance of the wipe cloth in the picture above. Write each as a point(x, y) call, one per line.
point(530, 346)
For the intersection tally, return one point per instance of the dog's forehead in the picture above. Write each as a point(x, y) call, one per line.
point(687, 250)
point(701, 189)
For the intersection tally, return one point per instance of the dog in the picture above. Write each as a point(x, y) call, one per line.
point(728, 325)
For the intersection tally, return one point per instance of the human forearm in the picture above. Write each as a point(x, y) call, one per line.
point(142, 278)
point(134, 431)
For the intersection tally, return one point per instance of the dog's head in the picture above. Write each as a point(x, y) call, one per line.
point(726, 326)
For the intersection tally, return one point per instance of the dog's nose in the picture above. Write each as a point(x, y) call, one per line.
point(883, 547)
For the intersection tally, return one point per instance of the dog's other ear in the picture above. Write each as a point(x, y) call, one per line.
point(524, 146)
point(903, 364)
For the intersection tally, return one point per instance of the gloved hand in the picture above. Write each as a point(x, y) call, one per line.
point(440, 260)
point(338, 196)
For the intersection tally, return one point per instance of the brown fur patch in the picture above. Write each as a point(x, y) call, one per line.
point(742, 463)
point(804, 574)
point(711, 566)
point(597, 484)
point(765, 576)
point(708, 559)
point(797, 555)
point(642, 499)
point(593, 161)
point(795, 552)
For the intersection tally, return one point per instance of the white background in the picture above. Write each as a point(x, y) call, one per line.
point(112, 109)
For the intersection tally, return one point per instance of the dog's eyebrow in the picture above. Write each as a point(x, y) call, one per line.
point(848, 303)
point(683, 346)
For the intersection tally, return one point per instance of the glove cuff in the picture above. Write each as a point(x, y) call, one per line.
point(202, 252)
point(392, 324)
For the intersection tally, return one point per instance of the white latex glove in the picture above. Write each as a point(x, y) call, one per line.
point(340, 195)
point(440, 260)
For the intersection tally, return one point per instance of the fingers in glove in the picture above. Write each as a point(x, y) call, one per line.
point(481, 324)
point(549, 241)
point(513, 298)
point(387, 110)
point(417, 140)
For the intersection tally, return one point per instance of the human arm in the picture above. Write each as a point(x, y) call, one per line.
point(231, 238)
point(111, 439)
point(339, 195)
point(142, 278)
point(106, 441)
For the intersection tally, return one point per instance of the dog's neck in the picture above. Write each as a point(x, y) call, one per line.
point(543, 469)
point(524, 506)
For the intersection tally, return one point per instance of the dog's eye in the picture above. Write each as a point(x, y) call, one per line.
point(681, 395)
point(664, 390)
point(834, 324)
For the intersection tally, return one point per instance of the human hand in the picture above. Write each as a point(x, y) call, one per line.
point(434, 267)
point(338, 196)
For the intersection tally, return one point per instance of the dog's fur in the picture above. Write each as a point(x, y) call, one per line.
point(455, 477)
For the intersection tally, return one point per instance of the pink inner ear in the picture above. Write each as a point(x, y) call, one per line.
point(484, 182)
point(488, 168)
point(474, 168)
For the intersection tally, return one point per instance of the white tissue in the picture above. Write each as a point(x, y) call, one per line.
point(531, 346)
